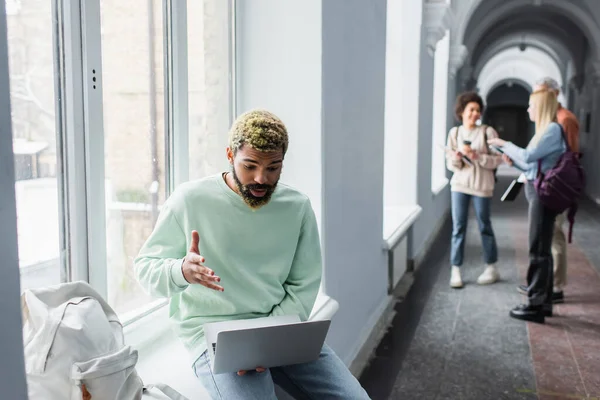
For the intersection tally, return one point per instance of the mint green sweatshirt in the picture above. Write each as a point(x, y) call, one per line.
point(269, 259)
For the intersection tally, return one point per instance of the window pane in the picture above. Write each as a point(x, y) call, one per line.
point(209, 85)
point(133, 90)
point(34, 109)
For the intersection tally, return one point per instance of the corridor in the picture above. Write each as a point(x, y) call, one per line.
point(461, 344)
point(109, 108)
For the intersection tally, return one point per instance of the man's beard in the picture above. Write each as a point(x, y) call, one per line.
point(245, 191)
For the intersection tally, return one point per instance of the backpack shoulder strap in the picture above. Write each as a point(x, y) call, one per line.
point(485, 133)
point(564, 136)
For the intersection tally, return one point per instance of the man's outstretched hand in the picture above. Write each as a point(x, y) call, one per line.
point(258, 369)
point(194, 270)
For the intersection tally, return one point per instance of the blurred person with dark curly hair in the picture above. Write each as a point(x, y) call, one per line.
point(473, 165)
point(241, 245)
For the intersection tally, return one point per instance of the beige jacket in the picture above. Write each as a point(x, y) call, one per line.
point(478, 179)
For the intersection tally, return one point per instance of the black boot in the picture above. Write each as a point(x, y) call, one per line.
point(547, 310)
point(528, 313)
point(558, 297)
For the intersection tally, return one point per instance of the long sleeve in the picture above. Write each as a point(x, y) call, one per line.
point(549, 143)
point(452, 164)
point(158, 264)
point(571, 127)
point(302, 283)
point(492, 160)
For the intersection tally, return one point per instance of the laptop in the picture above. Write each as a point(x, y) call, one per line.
point(263, 342)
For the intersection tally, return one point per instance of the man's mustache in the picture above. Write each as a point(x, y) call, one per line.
point(256, 186)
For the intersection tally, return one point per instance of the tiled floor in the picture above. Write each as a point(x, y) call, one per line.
point(461, 344)
point(566, 349)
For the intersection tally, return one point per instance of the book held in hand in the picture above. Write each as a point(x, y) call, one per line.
point(513, 190)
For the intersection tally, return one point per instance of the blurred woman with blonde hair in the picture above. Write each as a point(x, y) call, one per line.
point(545, 148)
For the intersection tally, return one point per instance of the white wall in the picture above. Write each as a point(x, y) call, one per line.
point(434, 206)
point(12, 367)
point(353, 139)
point(588, 101)
point(279, 68)
point(315, 65)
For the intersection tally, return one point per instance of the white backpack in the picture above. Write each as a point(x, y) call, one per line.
point(72, 337)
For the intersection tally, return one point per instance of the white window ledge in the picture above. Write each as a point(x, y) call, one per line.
point(325, 308)
point(439, 186)
point(396, 222)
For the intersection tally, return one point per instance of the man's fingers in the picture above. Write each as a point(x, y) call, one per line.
point(208, 278)
point(204, 270)
point(194, 258)
point(195, 243)
point(258, 369)
point(212, 286)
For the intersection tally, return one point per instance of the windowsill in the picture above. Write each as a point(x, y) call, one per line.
point(146, 330)
point(397, 221)
point(325, 308)
point(439, 186)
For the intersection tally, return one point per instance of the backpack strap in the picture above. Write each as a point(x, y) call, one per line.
point(166, 390)
point(564, 136)
point(456, 135)
point(487, 146)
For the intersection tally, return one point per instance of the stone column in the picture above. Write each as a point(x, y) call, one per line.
point(437, 19)
point(458, 54)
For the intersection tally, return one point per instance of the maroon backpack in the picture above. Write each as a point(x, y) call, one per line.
point(560, 187)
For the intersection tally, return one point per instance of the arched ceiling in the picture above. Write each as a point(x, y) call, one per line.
point(561, 55)
point(512, 64)
point(511, 82)
point(565, 30)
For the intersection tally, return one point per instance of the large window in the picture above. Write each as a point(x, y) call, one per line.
point(114, 104)
point(440, 104)
point(134, 138)
point(35, 105)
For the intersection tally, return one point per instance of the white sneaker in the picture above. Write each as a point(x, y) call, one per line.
point(489, 275)
point(455, 279)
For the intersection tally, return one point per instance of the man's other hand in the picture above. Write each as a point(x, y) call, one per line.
point(258, 369)
point(194, 270)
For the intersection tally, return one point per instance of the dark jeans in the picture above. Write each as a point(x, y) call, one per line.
point(541, 228)
point(460, 216)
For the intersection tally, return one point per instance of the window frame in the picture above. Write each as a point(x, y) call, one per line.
point(439, 180)
point(400, 202)
point(78, 73)
point(82, 190)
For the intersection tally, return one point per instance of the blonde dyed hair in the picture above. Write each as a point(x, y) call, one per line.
point(259, 129)
point(546, 104)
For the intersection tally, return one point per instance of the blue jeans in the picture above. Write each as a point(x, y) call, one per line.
point(325, 378)
point(460, 217)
